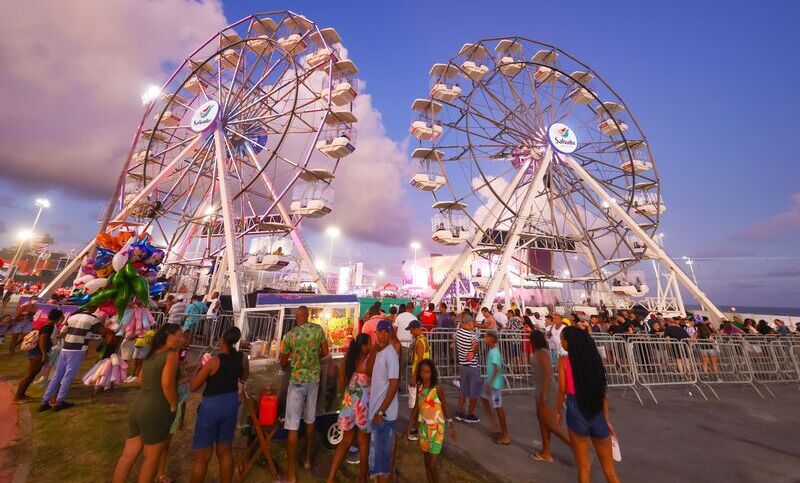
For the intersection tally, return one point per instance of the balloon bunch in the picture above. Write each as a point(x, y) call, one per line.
point(106, 372)
point(123, 268)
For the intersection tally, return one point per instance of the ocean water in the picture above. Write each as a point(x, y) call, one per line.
point(753, 309)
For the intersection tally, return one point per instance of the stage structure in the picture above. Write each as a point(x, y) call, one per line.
point(536, 165)
point(238, 147)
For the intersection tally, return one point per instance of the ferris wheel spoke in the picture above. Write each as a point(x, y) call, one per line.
point(286, 67)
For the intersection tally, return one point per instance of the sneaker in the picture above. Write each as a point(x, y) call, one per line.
point(472, 418)
point(354, 458)
point(44, 407)
point(413, 436)
point(459, 417)
point(62, 405)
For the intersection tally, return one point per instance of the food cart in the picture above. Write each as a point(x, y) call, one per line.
point(272, 318)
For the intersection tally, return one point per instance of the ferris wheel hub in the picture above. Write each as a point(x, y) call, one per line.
point(562, 138)
point(205, 116)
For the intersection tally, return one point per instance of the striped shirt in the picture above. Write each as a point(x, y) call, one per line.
point(78, 326)
point(465, 342)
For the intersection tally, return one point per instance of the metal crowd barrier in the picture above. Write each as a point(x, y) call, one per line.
point(722, 361)
point(618, 362)
point(664, 362)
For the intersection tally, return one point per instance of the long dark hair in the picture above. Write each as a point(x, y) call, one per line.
point(353, 353)
point(538, 340)
point(231, 336)
point(160, 339)
point(588, 372)
point(434, 372)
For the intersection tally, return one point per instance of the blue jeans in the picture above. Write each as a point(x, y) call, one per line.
point(67, 368)
point(216, 420)
point(381, 447)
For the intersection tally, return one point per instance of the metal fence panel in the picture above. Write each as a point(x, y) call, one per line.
point(664, 362)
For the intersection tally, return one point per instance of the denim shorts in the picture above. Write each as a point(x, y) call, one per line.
point(470, 381)
point(301, 400)
point(381, 447)
point(596, 427)
point(494, 397)
point(216, 420)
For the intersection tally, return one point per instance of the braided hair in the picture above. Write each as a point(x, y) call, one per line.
point(588, 372)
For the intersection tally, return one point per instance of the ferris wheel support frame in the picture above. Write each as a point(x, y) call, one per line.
point(231, 255)
point(516, 229)
point(123, 214)
point(299, 241)
point(476, 238)
point(661, 255)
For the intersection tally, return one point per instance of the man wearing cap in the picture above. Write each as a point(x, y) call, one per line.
point(383, 403)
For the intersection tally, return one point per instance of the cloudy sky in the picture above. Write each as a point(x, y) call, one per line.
point(711, 83)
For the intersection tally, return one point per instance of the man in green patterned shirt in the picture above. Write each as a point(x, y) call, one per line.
point(301, 349)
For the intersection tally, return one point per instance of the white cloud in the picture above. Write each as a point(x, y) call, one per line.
point(73, 73)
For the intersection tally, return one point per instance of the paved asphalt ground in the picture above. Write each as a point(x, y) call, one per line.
point(739, 438)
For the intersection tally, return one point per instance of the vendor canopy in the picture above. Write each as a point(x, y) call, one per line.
point(297, 299)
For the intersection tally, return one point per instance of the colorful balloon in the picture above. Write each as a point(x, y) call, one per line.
point(130, 272)
point(121, 257)
point(141, 289)
point(155, 258)
point(122, 299)
point(108, 308)
point(95, 284)
point(105, 240)
point(159, 288)
point(140, 251)
point(103, 296)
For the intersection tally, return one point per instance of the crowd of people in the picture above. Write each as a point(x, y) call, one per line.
point(390, 355)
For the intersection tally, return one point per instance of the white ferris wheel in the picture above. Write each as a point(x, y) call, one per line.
point(238, 147)
point(539, 173)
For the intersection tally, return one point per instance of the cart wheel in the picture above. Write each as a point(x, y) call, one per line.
point(333, 436)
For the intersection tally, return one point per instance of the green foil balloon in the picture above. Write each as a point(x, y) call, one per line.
point(130, 272)
point(122, 299)
point(102, 296)
point(141, 289)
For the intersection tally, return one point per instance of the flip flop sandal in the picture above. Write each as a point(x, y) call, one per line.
point(538, 457)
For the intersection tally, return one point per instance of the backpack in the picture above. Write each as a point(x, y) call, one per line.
point(30, 341)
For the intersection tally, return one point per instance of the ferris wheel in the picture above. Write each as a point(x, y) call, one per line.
point(537, 167)
point(239, 146)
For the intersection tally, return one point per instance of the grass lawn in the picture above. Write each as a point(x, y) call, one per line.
point(82, 444)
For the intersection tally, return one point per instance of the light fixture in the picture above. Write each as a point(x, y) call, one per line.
point(150, 94)
point(332, 231)
point(43, 202)
point(415, 246)
point(24, 235)
point(380, 273)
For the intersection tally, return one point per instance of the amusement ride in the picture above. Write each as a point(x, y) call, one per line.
point(239, 145)
point(541, 178)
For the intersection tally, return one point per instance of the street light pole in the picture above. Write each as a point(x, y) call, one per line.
point(414, 246)
point(690, 262)
point(25, 236)
point(332, 232)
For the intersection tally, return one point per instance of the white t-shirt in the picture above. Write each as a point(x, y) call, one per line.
point(501, 319)
point(538, 323)
point(403, 334)
point(554, 338)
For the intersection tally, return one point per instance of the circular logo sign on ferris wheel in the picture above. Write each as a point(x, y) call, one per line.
point(562, 137)
point(205, 116)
